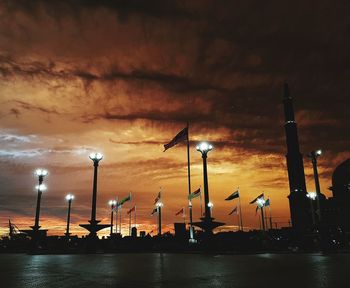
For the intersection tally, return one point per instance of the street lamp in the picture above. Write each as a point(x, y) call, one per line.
point(40, 173)
point(261, 204)
point(312, 196)
point(69, 198)
point(96, 158)
point(112, 204)
point(93, 227)
point(159, 206)
point(204, 148)
point(314, 155)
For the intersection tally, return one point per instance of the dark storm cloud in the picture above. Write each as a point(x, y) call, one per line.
point(242, 52)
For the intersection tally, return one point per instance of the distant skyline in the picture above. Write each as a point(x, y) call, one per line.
point(123, 77)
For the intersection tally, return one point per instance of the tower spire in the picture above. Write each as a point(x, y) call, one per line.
point(297, 198)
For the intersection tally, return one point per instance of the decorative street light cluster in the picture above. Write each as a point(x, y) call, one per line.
point(93, 227)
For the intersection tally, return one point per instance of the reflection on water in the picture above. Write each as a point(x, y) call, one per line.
point(174, 270)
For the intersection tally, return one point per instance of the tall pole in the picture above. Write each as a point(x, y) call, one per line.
point(317, 183)
point(94, 193)
point(240, 209)
point(116, 218)
point(159, 220)
point(120, 220)
point(135, 217)
point(262, 218)
point(189, 180)
point(112, 217)
point(270, 217)
point(38, 201)
point(130, 224)
point(206, 193)
point(68, 217)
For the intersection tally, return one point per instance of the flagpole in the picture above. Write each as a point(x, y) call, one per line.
point(270, 216)
point(262, 218)
point(189, 180)
point(130, 223)
point(120, 221)
point(240, 209)
point(184, 215)
point(200, 199)
point(135, 217)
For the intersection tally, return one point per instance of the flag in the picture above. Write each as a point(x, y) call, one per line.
point(234, 195)
point(157, 198)
point(154, 211)
point(267, 202)
point(180, 212)
point(260, 196)
point(127, 198)
point(131, 210)
point(235, 210)
point(194, 194)
point(181, 136)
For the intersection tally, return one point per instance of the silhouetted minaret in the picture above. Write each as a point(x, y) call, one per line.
point(298, 202)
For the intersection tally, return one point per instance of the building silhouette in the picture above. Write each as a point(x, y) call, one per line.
point(298, 202)
point(340, 203)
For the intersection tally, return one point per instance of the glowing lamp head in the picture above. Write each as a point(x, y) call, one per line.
point(41, 172)
point(318, 152)
point(204, 147)
point(95, 156)
point(112, 203)
point(260, 202)
point(69, 197)
point(210, 204)
point(311, 195)
point(41, 187)
point(159, 204)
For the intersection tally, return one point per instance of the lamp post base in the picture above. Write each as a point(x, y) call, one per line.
point(93, 227)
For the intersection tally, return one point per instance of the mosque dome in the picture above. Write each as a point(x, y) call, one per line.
point(341, 179)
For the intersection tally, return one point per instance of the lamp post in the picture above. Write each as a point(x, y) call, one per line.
point(211, 205)
point(69, 198)
point(312, 196)
point(261, 203)
point(204, 148)
point(314, 155)
point(93, 227)
point(40, 173)
point(159, 206)
point(96, 158)
point(112, 204)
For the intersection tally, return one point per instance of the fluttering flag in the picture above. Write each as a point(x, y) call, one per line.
point(180, 212)
point(235, 210)
point(234, 195)
point(126, 199)
point(260, 196)
point(194, 194)
point(181, 136)
point(131, 210)
point(267, 202)
point(154, 211)
point(157, 198)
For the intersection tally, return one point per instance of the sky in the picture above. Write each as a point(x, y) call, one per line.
point(123, 77)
